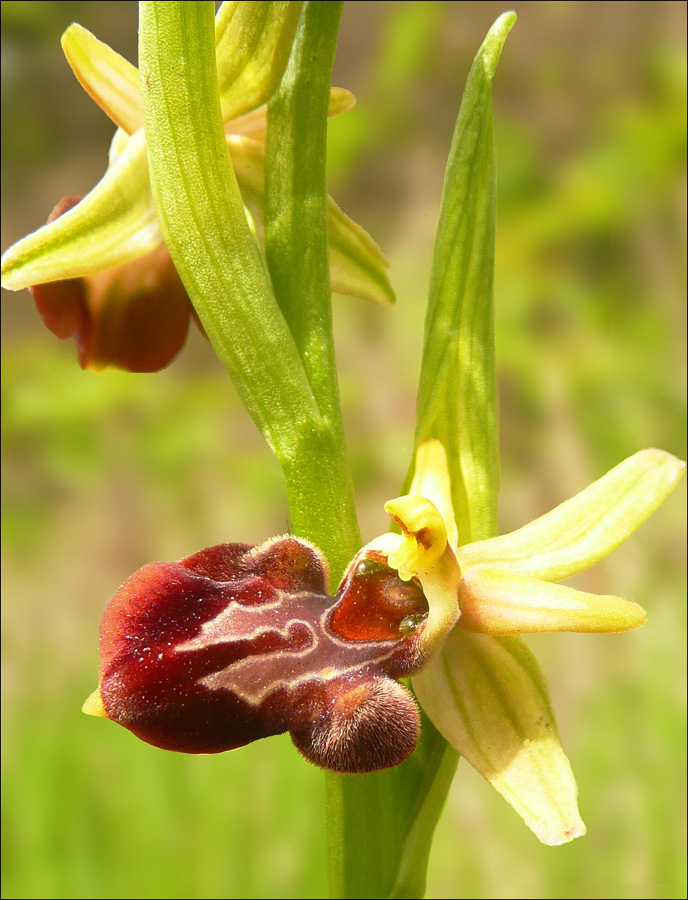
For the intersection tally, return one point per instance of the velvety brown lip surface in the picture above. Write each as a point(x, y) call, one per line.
point(235, 643)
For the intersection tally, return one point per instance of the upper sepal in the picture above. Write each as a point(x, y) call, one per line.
point(109, 79)
point(252, 43)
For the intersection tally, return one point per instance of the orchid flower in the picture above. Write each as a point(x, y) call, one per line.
point(99, 269)
point(483, 689)
point(236, 643)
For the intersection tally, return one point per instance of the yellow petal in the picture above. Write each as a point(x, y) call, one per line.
point(108, 78)
point(589, 526)
point(253, 124)
point(248, 162)
point(497, 601)
point(94, 705)
point(488, 698)
point(341, 101)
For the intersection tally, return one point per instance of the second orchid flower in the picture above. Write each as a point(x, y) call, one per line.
point(99, 269)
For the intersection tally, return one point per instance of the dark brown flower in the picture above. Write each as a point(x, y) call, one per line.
point(237, 643)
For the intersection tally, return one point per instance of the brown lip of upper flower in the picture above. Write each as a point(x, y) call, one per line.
point(134, 316)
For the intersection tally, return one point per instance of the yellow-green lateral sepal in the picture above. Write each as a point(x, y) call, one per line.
point(112, 225)
point(487, 696)
point(253, 40)
point(108, 78)
point(496, 601)
point(583, 530)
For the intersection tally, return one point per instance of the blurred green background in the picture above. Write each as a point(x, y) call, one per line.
point(102, 473)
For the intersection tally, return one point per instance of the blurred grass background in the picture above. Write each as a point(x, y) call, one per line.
point(102, 473)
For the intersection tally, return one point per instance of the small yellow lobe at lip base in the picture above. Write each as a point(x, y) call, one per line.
point(94, 705)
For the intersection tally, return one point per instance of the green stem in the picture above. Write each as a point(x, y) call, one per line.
point(319, 485)
point(204, 224)
point(202, 219)
point(281, 360)
point(296, 197)
point(367, 836)
point(380, 826)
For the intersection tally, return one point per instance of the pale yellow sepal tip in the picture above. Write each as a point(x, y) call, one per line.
point(94, 705)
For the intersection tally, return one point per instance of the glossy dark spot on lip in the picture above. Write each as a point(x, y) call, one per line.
point(374, 603)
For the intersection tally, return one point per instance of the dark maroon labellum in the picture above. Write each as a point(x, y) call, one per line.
point(236, 643)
